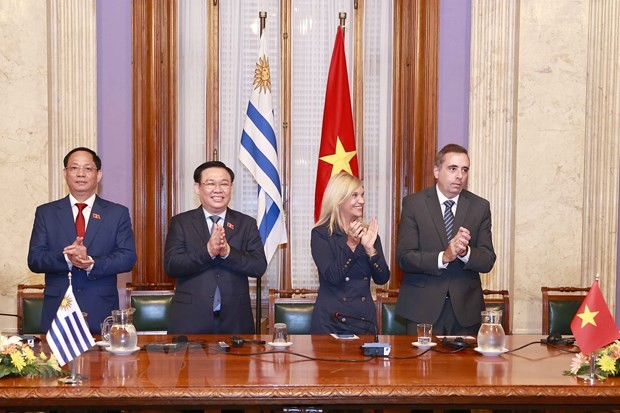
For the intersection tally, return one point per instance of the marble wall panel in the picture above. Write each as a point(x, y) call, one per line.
point(551, 106)
point(23, 140)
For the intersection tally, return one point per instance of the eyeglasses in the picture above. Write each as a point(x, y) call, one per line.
point(224, 186)
point(88, 170)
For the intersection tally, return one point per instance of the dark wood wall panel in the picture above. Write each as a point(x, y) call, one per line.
point(154, 132)
point(416, 44)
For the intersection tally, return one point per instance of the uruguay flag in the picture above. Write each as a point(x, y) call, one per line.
point(259, 153)
point(69, 336)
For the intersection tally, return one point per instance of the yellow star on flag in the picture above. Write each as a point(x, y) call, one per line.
point(587, 317)
point(340, 160)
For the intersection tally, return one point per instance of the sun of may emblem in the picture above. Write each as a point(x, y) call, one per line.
point(262, 77)
point(66, 303)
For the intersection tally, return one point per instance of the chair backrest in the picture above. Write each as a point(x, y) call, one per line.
point(292, 307)
point(559, 306)
point(388, 322)
point(499, 300)
point(29, 308)
point(152, 303)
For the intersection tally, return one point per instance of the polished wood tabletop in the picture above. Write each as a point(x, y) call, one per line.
point(317, 371)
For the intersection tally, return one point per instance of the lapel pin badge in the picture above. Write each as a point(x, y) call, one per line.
point(96, 216)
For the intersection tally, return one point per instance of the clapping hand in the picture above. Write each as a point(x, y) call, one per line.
point(458, 245)
point(369, 236)
point(218, 245)
point(78, 254)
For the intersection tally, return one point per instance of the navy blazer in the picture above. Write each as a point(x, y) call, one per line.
point(198, 274)
point(110, 242)
point(344, 283)
point(421, 237)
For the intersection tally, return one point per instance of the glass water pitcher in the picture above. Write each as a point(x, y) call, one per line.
point(121, 331)
point(491, 336)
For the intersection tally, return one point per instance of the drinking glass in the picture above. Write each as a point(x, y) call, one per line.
point(425, 333)
point(280, 334)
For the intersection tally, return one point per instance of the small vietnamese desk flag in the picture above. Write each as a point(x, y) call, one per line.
point(594, 326)
point(337, 152)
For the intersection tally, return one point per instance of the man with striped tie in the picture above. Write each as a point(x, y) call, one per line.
point(444, 243)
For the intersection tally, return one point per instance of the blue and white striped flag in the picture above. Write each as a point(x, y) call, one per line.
point(259, 153)
point(69, 335)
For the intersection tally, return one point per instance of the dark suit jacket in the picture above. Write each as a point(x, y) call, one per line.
point(187, 259)
point(421, 236)
point(109, 240)
point(344, 278)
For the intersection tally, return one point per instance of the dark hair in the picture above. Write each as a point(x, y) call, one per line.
point(96, 158)
point(449, 148)
point(212, 164)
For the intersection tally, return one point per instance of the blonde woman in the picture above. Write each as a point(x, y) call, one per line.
point(348, 255)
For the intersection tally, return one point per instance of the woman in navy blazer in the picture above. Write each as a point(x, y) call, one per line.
point(348, 255)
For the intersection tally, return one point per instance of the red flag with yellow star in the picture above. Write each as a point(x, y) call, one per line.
point(337, 152)
point(594, 326)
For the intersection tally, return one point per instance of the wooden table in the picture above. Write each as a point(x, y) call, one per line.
point(257, 377)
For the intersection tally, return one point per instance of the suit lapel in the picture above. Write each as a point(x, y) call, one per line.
point(231, 224)
point(432, 203)
point(461, 211)
point(97, 215)
point(64, 214)
point(200, 224)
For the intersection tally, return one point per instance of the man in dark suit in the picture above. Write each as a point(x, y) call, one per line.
point(442, 283)
point(94, 247)
point(211, 251)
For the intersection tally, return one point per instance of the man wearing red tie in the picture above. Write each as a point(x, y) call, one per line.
point(83, 234)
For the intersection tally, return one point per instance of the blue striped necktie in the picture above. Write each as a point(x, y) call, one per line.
point(448, 218)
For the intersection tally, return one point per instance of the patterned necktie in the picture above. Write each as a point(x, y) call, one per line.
point(448, 218)
point(80, 222)
point(217, 297)
point(215, 219)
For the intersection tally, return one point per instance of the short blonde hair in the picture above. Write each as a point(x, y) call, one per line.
point(339, 188)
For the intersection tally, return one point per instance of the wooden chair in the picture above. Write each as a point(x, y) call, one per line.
point(388, 322)
point(499, 300)
point(559, 306)
point(152, 303)
point(292, 307)
point(29, 308)
point(391, 323)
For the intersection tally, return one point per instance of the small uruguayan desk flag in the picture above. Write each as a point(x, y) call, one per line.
point(69, 335)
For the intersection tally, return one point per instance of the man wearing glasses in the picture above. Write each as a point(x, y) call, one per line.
point(211, 251)
point(83, 234)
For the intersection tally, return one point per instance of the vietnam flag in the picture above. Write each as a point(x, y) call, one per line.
point(337, 152)
point(594, 326)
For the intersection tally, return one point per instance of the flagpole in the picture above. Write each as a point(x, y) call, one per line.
point(262, 15)
point(74, 378)
point(591, 378)
point(343, 18)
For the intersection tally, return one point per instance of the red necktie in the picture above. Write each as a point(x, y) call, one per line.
point(80, 223)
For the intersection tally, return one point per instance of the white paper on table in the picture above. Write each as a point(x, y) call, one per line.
point(337, 337)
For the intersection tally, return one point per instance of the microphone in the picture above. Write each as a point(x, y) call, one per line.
point(237, 341)
point(343, 319)
point(369, 349)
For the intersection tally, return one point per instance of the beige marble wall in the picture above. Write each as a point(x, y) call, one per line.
point(23, 139)
point(48, 82)
point(545, 122)
point(551, 95)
